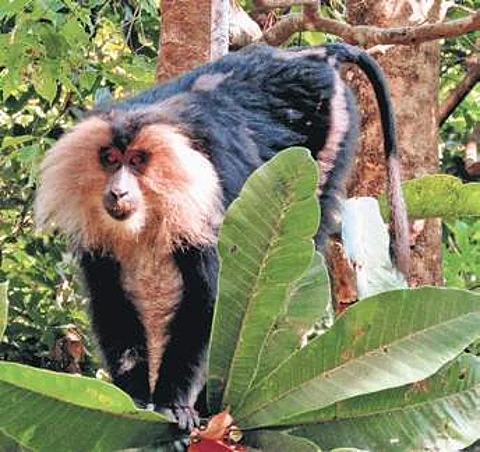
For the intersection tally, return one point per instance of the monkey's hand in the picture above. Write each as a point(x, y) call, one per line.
point(186, 416)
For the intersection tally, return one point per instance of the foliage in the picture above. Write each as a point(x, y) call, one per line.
point(251, 277)
point(367, 382)
point(447, 197)
point(461, 254)
point(68, 398)
point(377, 421)
point(3, 307)
point(56, 58)
point(460, 270)
point(459, 205)
point(454, 63)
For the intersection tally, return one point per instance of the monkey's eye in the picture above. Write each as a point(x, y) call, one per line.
point(138, 160)
point(110, 158)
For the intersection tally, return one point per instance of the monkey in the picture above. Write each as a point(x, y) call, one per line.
point(139, 188)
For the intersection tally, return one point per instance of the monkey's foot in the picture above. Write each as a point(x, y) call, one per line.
point(186, 416)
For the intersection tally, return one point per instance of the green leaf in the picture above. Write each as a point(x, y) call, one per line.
point(391, 339)
point(12, 7)
point(461, 254)
point(44, 81)
point(314, 38)
point(87, 79)
point(10, 82)
point(10, 141)
point(267, 441)
point(28, 154)
point(42, 410)
point(306, 303)
point(54, 42)
point(265, 245)
point(3, 307)
point(440, 413)
point(8, 444)
point(447, 197)
point(74, 33)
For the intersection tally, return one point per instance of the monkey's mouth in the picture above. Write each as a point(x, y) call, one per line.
point(119, 209)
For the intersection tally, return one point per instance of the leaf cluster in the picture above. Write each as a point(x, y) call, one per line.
point(455, 55)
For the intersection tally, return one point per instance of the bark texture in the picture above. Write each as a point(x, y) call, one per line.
point(413, 74)
point(193, 33)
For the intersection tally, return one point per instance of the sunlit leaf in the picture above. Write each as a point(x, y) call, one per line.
point(264, 248)
point(439, 413)
point(270, 441)
point(3, 307)
point(45, 83)
point(42, 410)
point(306, 303)
point(438, 195)
point(391, 339)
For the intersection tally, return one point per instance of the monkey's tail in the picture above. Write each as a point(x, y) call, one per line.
point(400, 229)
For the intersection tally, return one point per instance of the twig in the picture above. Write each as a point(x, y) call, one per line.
point(368, 36)
point(284, 28)
point(271, 4)
point(242, 29)
point(457, 94)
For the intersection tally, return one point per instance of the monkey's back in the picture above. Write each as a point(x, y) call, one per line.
point(247, 106)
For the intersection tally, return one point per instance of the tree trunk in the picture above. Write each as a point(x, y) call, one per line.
point(413, 74)
point(193, 32)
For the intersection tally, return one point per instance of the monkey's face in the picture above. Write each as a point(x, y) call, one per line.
point(110, 196)
point(123, 196)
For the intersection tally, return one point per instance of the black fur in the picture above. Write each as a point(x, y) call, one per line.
point(183, 363)
point(115, 322)
point(267, 101)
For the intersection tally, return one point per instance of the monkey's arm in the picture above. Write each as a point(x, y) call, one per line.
point(182, 372)
point(116, 324)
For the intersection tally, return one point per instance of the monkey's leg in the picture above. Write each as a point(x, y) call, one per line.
point(115, 321)
point(182, 372)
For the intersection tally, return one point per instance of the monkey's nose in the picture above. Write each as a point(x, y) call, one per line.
point(118, 193)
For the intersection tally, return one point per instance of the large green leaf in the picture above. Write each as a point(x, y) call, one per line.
point(265, 245)
point(440, 413)
point(447, 197)
point(3, 307)
point(43, 410)
point(306, 303)
point(391, 339)
point(8, 444)
point(272, 440)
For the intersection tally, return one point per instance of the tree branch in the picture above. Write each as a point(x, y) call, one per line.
point(367, 36)
point(271, 4)
point(242, 29)
point(284, 28)
point(457, 94)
